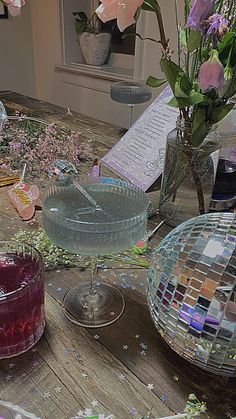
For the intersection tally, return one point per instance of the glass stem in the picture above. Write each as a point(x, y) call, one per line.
point(130, 115)
point(93, 288)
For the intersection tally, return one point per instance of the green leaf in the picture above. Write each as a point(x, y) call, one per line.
point(80, 27)
point(151, 6)
point(192, 99)
point(225, 41)
point(175, 74)
point(220, 112)
point(81, 16)
point(186, 9)
point(200, 126)
point(193, 40)
point(182, 38)
point(154, 82)
point(230, 88)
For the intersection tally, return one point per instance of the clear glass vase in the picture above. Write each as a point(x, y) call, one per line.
point(188, 176)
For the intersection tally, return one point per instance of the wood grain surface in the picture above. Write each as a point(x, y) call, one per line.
point(123, 369)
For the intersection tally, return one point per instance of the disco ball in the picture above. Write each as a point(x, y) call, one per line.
point(192, 291)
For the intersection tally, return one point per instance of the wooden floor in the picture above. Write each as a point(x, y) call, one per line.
point(125, 369)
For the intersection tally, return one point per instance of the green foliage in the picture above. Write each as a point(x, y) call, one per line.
point(194, 407)
point(84, 24)
point(53, 256)
point(175, 74)
point(182, 38)
point(220, 112)
point(193, 40)
point(151, 6)
point(193, 98)
point(154, 82)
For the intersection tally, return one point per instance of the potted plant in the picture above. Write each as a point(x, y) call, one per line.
point(94, 43)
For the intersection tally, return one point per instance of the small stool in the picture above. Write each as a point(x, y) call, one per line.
point(131, 93)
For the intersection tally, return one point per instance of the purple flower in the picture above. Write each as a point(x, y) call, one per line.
point(217, 24)
point(200, 11)
point(211, 73)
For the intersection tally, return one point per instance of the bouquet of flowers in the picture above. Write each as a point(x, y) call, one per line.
point(202, 78)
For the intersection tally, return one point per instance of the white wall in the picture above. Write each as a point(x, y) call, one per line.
point(17, 64)
point(31, 56)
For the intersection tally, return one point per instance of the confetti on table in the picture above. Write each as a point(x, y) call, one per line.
point(133, 411)
point(46, 395)
point(8, 377)
point(84, 375)
point(94, 403)
point(137, 336)
point(80, 413)
point(59, 289)
point(35, 364)
point(150, 387)
point(143, 345)
point(125, 347)
point(11, 365)
point(88, 412)
point(121, 377)
point(96, 337)
point(164, 397)
point(143, 353)
point(57, 389)
point(68, 350)
point(176, 378)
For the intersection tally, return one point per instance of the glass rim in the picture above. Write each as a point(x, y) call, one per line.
point(36, 277)
point(114, 223)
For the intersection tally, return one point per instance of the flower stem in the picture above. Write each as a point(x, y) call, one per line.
point(163, 40)
point(197, 181)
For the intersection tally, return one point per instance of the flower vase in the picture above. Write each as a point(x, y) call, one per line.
point(189, 175)
point(95, 47)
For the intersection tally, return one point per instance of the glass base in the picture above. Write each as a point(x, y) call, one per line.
point(100, 308)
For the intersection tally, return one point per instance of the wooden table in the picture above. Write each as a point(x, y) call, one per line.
point(124, 369)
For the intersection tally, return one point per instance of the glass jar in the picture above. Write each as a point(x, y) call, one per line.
point(21, 298)
point(188, 176)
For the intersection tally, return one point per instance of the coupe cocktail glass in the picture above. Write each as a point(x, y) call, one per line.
point(21, 298)
point(115, 224)
point(131, 93)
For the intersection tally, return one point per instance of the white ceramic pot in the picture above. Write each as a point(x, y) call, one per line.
point(95, 47)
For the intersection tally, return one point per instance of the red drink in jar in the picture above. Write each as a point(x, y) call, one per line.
point(21, 298)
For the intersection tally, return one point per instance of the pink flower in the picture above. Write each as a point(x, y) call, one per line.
point(14, 6)
point(211, 73)
point(123, 11)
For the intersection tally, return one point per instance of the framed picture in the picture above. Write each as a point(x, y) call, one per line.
point(3, 12)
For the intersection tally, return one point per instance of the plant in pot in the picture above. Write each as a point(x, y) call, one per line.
point(94, 43)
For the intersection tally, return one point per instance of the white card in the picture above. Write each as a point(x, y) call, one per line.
point(139, 155)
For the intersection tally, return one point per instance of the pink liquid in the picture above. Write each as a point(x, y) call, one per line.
point(21, 303)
